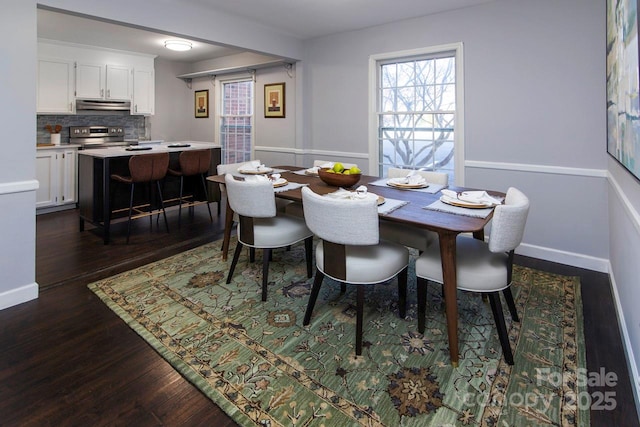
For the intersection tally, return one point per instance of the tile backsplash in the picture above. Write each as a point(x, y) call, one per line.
point(134, 126)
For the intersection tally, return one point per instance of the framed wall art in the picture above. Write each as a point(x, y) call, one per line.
point(274, 100)
point(202, 103)
point(623, 102)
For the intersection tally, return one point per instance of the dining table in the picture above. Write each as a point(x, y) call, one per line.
point(414, 210)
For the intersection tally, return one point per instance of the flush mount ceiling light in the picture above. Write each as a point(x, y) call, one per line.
point(177, 45)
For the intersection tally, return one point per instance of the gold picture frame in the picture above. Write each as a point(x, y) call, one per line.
point(274, 101)
point(201, 106)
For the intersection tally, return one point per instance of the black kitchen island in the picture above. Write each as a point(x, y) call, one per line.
point(99, 203)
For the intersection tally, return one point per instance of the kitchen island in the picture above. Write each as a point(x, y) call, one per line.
point(97, 200)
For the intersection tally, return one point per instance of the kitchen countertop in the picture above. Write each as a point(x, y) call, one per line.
point(53, 147)
point(155, 148)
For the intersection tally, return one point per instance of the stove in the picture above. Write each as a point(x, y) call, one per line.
point(97, 136)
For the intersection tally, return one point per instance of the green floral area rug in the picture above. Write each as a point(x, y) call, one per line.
point(261, 366)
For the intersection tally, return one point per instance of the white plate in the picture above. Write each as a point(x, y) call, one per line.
point(260, 171)
point(400, 183)
point(462, 203)
point(280, 182)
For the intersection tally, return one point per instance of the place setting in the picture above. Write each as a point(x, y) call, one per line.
point(385, 205)
point(470, 203)
point(412, 181)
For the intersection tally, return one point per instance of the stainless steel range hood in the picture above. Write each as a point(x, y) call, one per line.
point(89, 106)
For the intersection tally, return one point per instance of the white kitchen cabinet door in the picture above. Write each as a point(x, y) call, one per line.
point(90, 80)
point(56, 172)
point(118, 82)
point(68, 176)
point(54, 86)
point(143, 92)
point(46, 174)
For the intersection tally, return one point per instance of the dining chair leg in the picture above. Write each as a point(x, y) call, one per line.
point(422, 303)
point(402, 293)
point(236, 255)
point(308, 249)
point(252, 254)
point(266, 256)
point(359, 315)
point(343, 288)
point(164, 212)
point(130, 212)
point(496, 308)
point(315, 290)
point(508, 296)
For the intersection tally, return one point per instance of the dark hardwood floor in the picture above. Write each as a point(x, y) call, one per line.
point(67, 360)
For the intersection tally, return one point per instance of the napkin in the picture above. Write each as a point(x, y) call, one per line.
point(360, 194)
point(252, 165)
point(480, 197)
point(412, 178)
point(257, 178)
point(313, 170)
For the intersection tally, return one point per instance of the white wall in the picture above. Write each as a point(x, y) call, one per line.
point(17, 163)
point(174, 103)
point(534, 95)
point(275, 138)
point(624, 224)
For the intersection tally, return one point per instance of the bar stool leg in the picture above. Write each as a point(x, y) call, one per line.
point(180, 202)
point(164, 213)
point(130, 212)
point(206, 195)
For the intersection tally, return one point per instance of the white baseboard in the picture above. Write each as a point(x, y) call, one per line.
point(563, 257)
point(18, 295)
point(634, 375)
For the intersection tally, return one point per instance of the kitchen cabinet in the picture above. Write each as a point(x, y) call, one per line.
point(56, 172)
point(143, 91)
point(54, 86)
point(102, 81)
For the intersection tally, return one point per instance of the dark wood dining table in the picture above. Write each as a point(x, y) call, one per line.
point(447, 225)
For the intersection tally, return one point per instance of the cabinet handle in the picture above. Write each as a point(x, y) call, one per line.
point(101, 93)
point(108, 93)
point(136, 108)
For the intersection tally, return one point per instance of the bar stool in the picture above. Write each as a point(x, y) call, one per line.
point(193, 163)
point(145, 169)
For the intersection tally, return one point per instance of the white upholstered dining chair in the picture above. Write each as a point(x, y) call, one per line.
point(480, 266)
point(260, 226)
point(350, 251)
point(407, 235)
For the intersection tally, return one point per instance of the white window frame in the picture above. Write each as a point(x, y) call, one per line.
point(219, 82)
point(374, 64)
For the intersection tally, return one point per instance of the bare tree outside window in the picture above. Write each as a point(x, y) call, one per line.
point(416, 111)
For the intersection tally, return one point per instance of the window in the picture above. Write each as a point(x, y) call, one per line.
point(236, 121)
point(417, 111)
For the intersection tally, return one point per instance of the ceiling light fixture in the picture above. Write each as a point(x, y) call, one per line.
point(177, 45)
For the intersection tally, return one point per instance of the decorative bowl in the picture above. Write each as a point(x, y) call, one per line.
point(338, 179)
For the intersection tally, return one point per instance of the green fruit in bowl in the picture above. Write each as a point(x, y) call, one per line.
point(354, 170)
point(330, 171)
point(346, 172)
point(338, 167)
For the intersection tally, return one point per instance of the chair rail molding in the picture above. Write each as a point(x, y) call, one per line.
point(19, 186)
point(524, 167)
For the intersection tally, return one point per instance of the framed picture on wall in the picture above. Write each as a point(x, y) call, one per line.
point(202, 104)
point(274, 100)
point(623, 109)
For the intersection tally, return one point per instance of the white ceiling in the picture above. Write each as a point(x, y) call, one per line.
point(302, 19)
